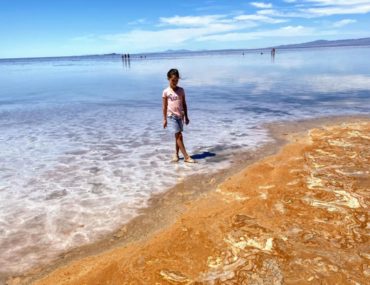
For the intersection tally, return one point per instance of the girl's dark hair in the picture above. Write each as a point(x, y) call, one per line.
point(172, 72)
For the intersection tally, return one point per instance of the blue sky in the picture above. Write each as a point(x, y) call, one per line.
point(31, 28)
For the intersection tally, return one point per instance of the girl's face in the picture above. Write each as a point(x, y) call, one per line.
point(173, 81)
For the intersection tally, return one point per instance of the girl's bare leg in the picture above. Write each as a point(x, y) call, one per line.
point(180, 144)
point(177, 149)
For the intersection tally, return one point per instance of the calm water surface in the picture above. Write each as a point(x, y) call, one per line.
point(82, 144)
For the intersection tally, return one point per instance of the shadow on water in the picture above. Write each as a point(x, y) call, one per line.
point(203, 155)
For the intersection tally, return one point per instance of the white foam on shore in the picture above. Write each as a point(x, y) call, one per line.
point(67, 183)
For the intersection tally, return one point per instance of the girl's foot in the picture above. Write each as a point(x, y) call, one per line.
point(189, 160)
point(175, 158)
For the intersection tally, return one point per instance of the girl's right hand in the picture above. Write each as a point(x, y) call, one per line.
point(164, 123)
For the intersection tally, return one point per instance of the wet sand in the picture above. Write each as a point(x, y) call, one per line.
point(296, 217)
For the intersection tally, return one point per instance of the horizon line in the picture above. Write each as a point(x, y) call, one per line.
point(286, 46)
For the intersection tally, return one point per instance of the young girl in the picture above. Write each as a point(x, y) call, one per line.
point(175, 112)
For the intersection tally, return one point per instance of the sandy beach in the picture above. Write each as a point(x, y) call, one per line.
point(296, 216)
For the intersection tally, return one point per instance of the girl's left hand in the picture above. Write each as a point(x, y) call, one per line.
point(187, 121)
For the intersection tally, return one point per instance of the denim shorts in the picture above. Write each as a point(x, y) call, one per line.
point(174, 124)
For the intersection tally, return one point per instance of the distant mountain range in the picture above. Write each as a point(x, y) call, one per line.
point(318, 43)
point(324, 43)
point(177, 50)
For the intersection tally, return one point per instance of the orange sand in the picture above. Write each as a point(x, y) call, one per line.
point(298, 217)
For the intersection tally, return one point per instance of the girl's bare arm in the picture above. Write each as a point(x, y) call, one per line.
point(164, 108)
point(185, 110)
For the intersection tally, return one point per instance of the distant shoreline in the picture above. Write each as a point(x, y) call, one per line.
point(362, 42)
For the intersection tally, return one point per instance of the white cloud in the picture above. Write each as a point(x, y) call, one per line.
point(338, 10)
point(339, 2)
point(284, 32)
point(192, 20)
point(183, 31)
point(269, 12)
point(320, 8)
point(259, 18)
point(289, 14)
point(178, 31)
point(343, 23)
point(209, 20)
point(261, 5)
point(144, 40)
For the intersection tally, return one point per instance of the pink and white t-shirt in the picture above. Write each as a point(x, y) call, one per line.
point(174, 99)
